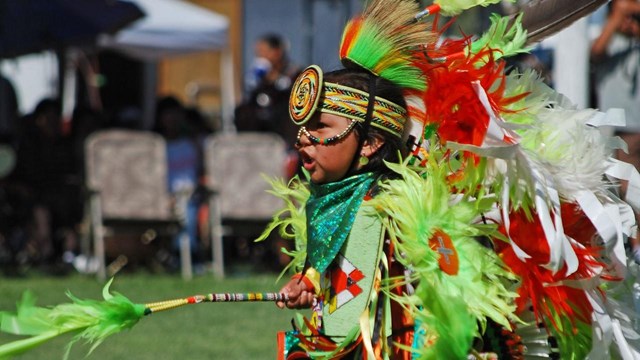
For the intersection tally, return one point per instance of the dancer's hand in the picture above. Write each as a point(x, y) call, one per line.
point(300, 297)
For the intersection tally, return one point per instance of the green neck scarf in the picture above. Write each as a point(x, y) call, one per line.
point(331, 210)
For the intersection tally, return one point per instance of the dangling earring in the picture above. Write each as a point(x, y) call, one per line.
point(363, 160)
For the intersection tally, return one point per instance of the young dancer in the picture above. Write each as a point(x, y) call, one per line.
point(449, 209)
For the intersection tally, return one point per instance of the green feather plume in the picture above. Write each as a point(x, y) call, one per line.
point(450, 322)
point(413, 208)
point(540, 96)
point(505, 35)
point(383, 39)
point(91, 320)
point(290, 221)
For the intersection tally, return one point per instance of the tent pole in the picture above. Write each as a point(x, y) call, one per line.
point(228, 92)
point(67, 83)
point(149, 93)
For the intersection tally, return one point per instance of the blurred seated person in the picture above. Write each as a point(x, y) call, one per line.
point(9, 112)
point(84, 122)
point(266, 106)
point(15, 214)
point(46, 167)
point(184, 162)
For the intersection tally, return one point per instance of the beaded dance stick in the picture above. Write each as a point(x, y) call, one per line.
point(221, 297)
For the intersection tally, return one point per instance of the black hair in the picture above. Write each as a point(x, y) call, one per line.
point(393, 148)
point(48, 105)
point(274, 41)
point(168, 102)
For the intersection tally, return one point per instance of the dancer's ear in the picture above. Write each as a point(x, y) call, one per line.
point(371, 145)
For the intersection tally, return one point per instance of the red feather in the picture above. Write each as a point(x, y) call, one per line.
point(539, 284)
point(451, 100)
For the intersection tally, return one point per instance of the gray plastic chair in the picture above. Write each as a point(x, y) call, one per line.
point(126, 175)
point(234, 164)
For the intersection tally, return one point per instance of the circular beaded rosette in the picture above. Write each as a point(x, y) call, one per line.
point(305, 95)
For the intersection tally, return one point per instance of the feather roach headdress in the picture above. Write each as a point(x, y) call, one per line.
point(381, 42)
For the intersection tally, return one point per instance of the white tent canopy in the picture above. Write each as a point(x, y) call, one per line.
point(170, 27)
point(176, 27)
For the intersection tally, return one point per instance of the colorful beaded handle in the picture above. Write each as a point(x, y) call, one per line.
point(222, 297)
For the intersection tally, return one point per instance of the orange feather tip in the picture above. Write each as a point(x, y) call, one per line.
point(351, 32)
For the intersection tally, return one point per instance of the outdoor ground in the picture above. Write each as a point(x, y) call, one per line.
point(202, 331)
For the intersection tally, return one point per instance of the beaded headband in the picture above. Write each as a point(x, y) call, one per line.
point(310, 93)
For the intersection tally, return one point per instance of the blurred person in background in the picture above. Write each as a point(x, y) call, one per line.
point(13, 215)
point(615, 54)
point(265, 107)
point(8, 111)
point(184, 165)
point(46, 167)
point(84, 122)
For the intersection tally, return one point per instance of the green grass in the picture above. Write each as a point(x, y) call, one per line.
point(202, 331)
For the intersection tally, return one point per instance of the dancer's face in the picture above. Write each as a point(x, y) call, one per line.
point(330, 162)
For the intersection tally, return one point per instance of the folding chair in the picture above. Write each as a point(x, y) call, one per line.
point(126, 175)
point(234, 164)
